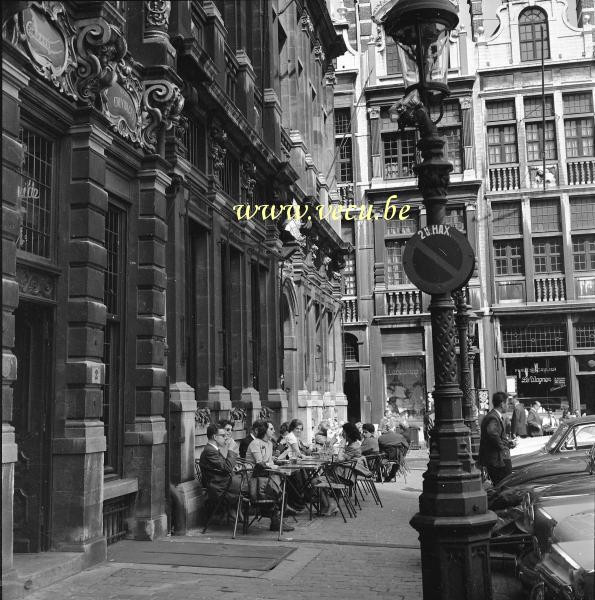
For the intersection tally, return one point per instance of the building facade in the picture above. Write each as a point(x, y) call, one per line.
point(387, 335)
point(536, 132)
point(137, 305)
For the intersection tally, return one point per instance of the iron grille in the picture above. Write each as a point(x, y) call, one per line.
point(115, 512)
point(195, 143)
point(36, 194)
point(534, 338)
point(585, 335)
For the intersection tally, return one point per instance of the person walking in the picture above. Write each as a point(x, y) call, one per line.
point(519, 419)
point(494, 446)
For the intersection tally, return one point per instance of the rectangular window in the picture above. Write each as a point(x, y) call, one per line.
point(578, 103)
point(508, 257)
point(407, 227)
point(534, 107)
point(583, 252)
point(393, 65)
point(454, 151)
point(195, 142)
point(506, 218)
point(36, 194)
point(501, 110)
point(585, 335)
point(399, 154)
point(455, 217)
point(545, 216)
point(502, 147)
point(342, 121)
point(579, 137)
point(349, 281)
point(582, 213)
point(344, 164)
point(535, 141)
point(113, 357)
point(231, 175)
point(547, 255)
point(534, 338)
point(395, 274)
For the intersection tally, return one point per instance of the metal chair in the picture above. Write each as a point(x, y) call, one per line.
point(332, 484)
point(215, 503)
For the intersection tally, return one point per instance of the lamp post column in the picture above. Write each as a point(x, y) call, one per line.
point(466, 362)
point(453, 521)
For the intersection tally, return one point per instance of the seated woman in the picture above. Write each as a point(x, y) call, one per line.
point(296, 447)
point(260, 454)
point(352, 450)
point(280, 446)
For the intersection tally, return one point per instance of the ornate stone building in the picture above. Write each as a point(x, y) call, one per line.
point(536, 124)
point(136, 305)
point(387, 336)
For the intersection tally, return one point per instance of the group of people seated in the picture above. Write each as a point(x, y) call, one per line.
point(261, 448)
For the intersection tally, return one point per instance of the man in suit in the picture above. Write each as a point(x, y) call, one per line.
point(217, 462)
point(494, 446)
point(395, 446)
point(519, 419)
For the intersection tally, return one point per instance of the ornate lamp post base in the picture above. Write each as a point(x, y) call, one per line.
point(455, 556)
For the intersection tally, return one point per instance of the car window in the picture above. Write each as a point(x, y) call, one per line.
point(585, 436)
point(558, 435)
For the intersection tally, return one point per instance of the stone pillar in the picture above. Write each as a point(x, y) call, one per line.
point(245, 87)
point(13, 81)
point(375, 150)
point(79, 441)
point(145, 438)
point(468, 137)
point(148, 37)
point(271, 119)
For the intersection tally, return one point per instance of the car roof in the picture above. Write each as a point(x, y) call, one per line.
point(581, 420)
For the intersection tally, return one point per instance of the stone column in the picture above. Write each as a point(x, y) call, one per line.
point(145, 437)
point(79, 441)
point(13, 81)
point(375, 150)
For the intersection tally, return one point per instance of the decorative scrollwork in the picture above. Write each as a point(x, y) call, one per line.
point(42, 31)
point(162, 104)
point(157, 14)
point(32, 283)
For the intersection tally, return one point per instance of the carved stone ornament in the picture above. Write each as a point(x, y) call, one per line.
point(217, 139)
point(106, 79)
point(248, 179)
point(162, 105)
point(379, 39)
point(374, 112)
point(306, 22)
point(33, 283)
point(44, 34)
point(318, 51)
point(465, 102)
point(330, 77)
point(157, 16)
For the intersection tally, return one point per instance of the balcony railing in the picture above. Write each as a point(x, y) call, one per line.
point(550, 289)
point(504, 179)
point(581, 172)
point(404, 302)
point(349, 314)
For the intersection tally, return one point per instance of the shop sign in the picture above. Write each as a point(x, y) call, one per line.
point(540, 379)
point(120, 104)
point(45, 40)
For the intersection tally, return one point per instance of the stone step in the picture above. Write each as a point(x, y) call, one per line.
point(37, 571)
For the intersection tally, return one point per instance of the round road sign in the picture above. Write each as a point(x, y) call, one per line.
point(438, 259)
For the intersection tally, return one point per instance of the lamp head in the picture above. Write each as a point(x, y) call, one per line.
point(421, 29)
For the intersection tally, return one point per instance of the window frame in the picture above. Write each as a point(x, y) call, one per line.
point(399, 137)
point(509, 257)
point(587, 252)
point(548, 255)
point(533, 41)
point(395, 275)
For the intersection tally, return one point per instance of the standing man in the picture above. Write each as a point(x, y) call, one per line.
point(519, 419)
point(534, 427)
point(494, 446)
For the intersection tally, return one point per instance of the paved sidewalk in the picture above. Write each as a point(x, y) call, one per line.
point(374, 556)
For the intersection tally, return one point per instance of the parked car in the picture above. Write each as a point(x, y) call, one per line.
point(557, 469)
point(570, 438)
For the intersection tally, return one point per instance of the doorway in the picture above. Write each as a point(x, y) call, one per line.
point(31, 419)
point(351, 390)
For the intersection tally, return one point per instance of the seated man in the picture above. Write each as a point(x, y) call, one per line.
point(394, 445)
point(369, 443)
point(216, 465)
point(245, 442)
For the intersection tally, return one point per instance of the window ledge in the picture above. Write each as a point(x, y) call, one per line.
point(119, 487)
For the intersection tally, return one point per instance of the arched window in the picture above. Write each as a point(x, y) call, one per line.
point(533, 34)
point(350, 349)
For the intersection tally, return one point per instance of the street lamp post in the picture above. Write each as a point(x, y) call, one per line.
point(453, 521)
point(465, 320)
